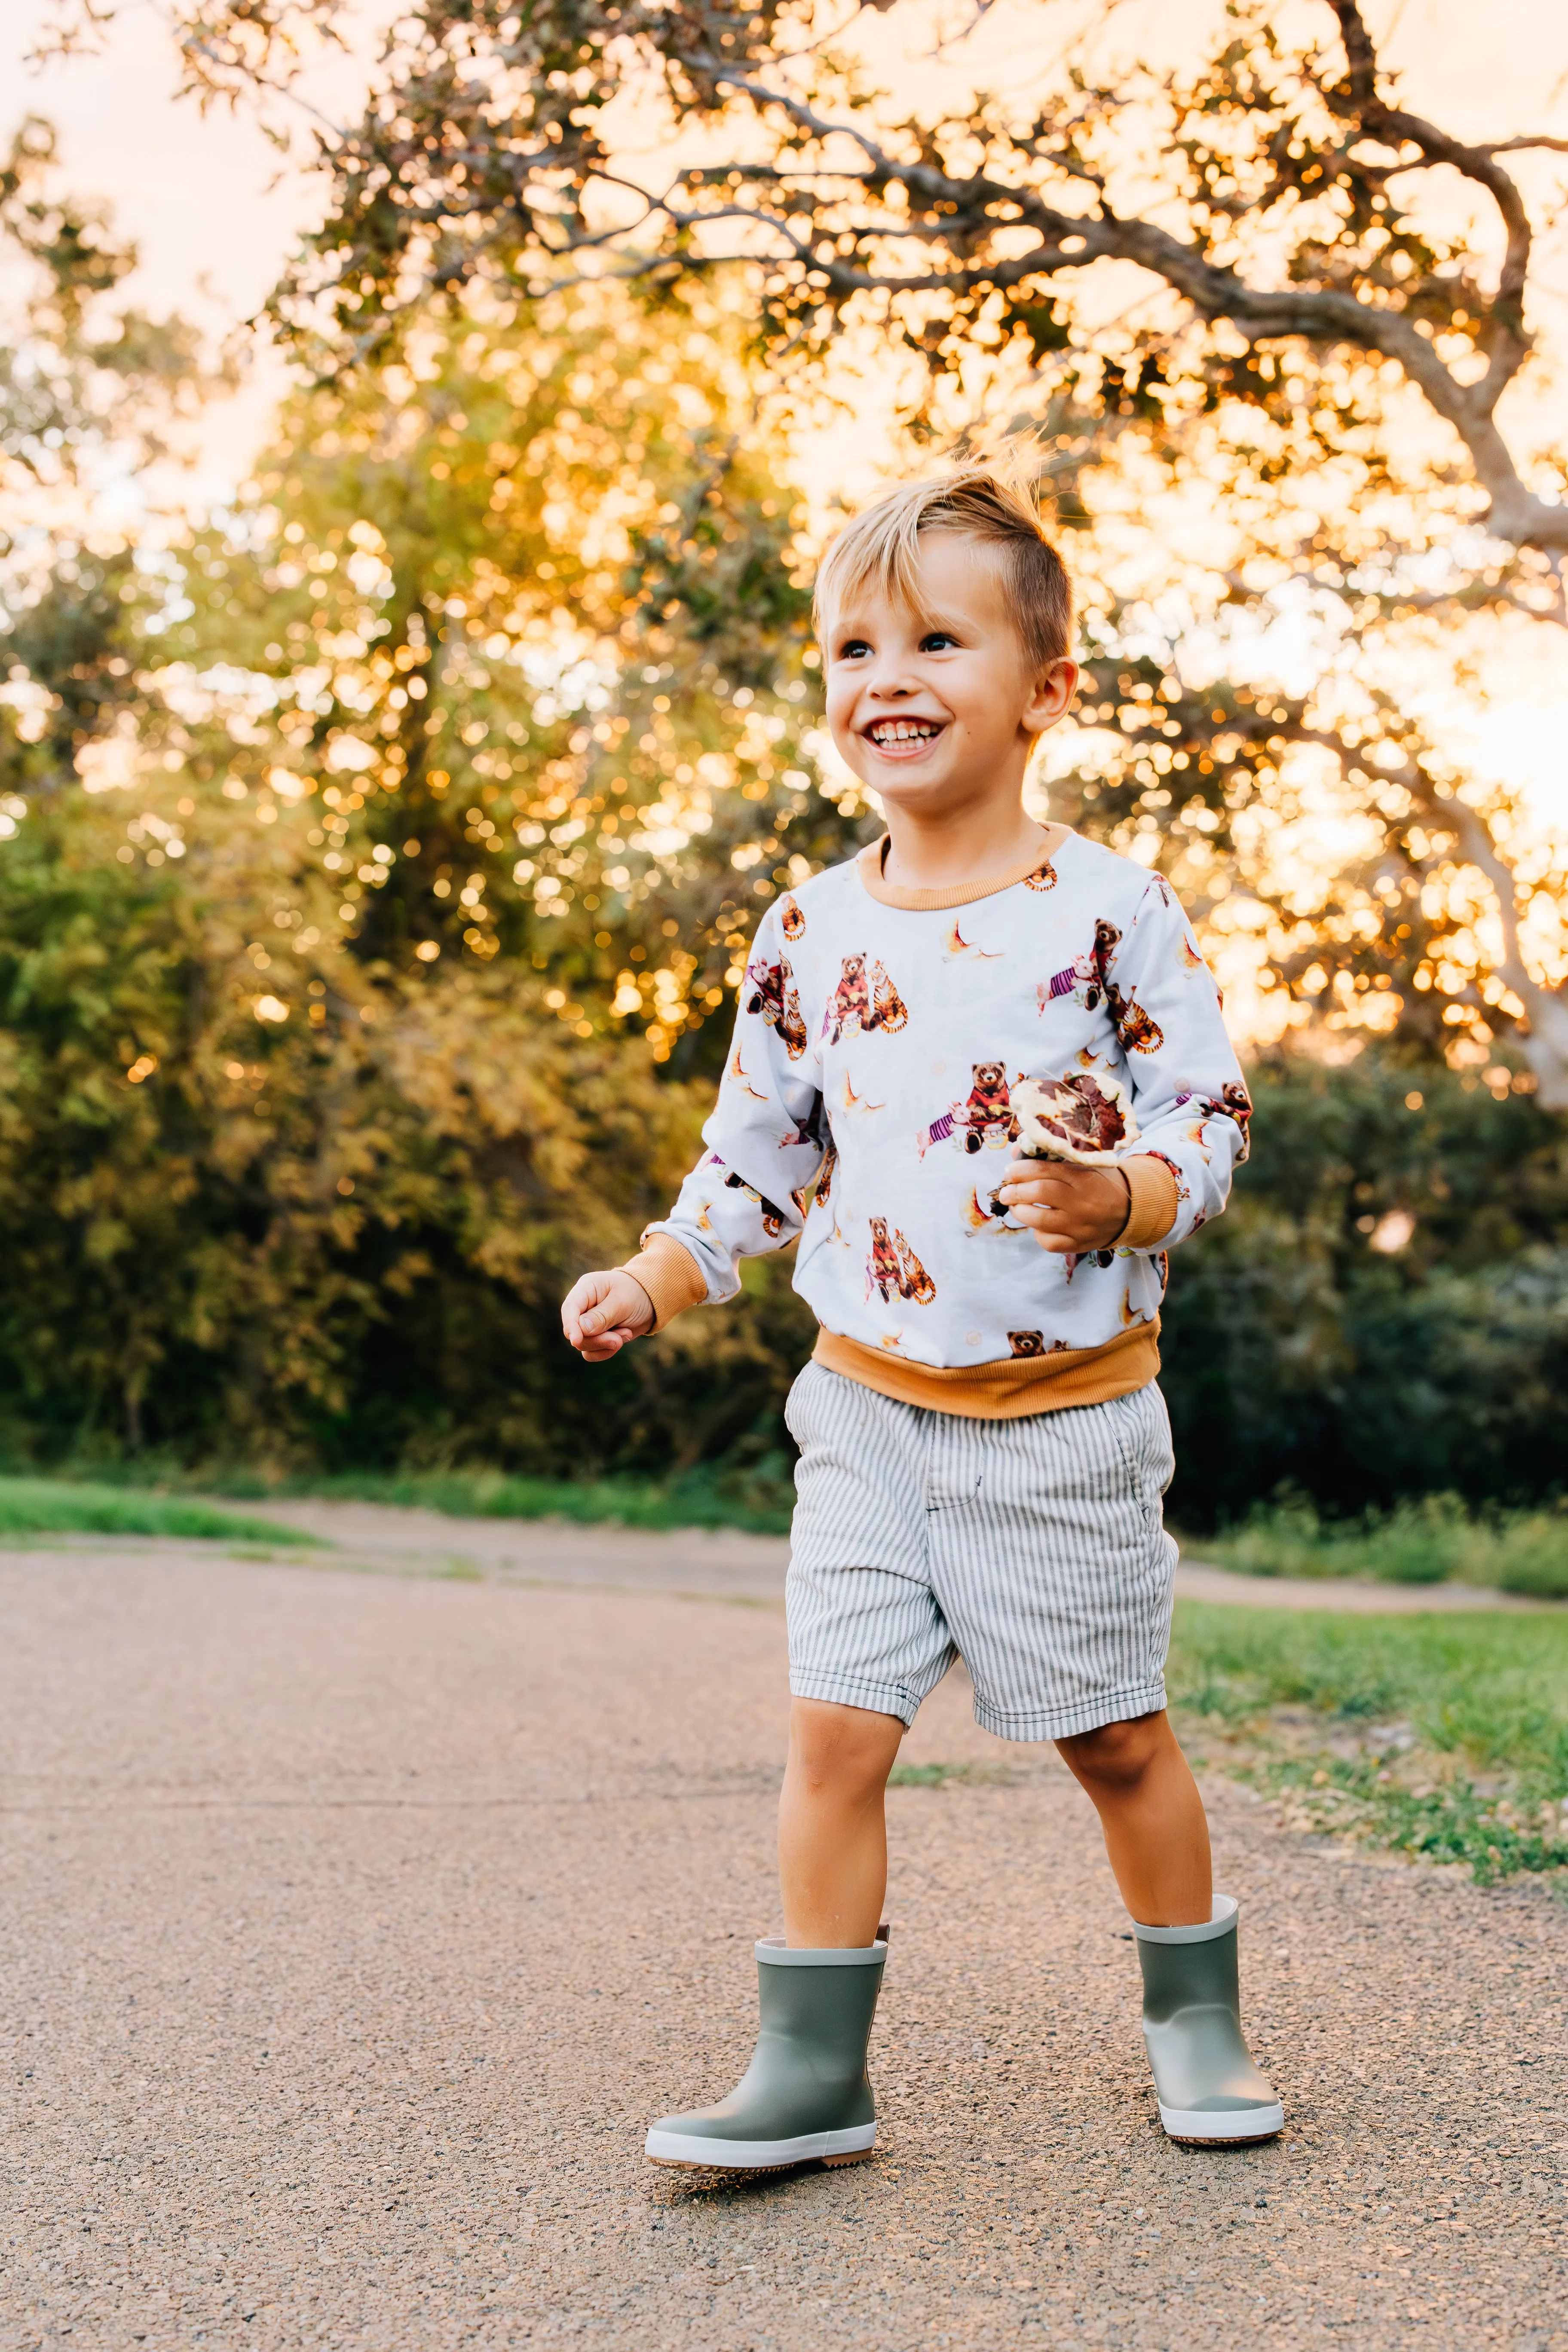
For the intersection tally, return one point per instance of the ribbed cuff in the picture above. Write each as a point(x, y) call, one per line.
point(1152, 1190)
point(671, 1275)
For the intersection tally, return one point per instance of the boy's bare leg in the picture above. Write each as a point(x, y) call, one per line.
point(833, 1834)
point(1156, 1833)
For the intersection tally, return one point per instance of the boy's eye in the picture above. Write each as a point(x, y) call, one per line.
point(853, 649)
point(937, 641)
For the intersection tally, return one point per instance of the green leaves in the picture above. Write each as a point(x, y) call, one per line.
point(434, 793)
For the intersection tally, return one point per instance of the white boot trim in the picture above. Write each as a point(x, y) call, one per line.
point(752, 2155)
point(778, 1955)
point(1232, 2124)
point(1221, 1920)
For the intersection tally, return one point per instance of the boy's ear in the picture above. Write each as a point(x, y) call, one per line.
point(1052, 698)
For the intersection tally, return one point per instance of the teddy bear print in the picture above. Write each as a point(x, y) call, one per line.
point(1234, 1102)
point(1139, 1032)
point(1088, 977)
point(1106, 940)
point(775, 997)
point(791, 922)
point(863, 1002)
point(883, 1269)
point(849, 1007)
point(987, 1118)
point(1026, 1343)
point(1043, 877)
point(772, 1219)
point(893, 1270)
point(1085, 977)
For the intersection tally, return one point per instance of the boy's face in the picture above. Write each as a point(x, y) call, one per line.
point(937, 709)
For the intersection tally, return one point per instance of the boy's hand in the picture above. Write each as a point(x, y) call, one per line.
point(602, 1311)
point(1072, 1210)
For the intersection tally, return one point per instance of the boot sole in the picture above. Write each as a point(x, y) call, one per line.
point(1202, 2128)
point(852, 2147)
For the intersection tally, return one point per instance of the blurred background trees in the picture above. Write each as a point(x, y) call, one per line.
point(384, 848)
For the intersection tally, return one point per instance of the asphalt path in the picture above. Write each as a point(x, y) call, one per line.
point(727, 1563)
point(354, 1925)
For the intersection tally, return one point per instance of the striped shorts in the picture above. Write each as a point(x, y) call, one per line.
point(1034, 1550)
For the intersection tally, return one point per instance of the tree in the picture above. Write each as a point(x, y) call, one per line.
point(293, 1042)
point(519, 606)
point(1301, 310)
point(84, 362)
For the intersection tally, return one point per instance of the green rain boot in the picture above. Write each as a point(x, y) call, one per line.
point(805, 2094)
point(1207, 2085)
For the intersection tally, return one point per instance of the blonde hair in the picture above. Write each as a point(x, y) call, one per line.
point(994, 504)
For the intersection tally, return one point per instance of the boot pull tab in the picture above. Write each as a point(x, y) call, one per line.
point(883, 1932)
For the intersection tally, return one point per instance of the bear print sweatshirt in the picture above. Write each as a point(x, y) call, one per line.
point(866, 1108)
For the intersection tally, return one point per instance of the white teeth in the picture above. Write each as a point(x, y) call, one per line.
point(902, 731)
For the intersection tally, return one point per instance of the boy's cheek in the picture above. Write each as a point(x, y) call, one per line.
point(851, 749)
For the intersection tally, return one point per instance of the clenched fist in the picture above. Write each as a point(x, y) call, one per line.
point(602, 1311)
point(1070, 1210)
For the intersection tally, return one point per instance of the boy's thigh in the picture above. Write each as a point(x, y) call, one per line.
point(1051, 1565)
point(865, 1628)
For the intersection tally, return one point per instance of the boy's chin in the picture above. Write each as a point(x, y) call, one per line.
point(943, 792)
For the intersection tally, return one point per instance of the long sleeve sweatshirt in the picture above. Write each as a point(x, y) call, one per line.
point(865, 1108)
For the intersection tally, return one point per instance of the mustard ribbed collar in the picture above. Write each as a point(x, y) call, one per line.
point(868, 866)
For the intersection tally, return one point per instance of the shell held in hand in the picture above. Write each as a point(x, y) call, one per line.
point(1087, 1120)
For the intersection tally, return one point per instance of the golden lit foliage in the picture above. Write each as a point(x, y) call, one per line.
point(417, 833)
point(512, 641)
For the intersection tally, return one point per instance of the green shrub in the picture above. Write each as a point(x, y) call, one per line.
point(1297, 1353)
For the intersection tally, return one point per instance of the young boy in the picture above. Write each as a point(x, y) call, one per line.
point(983, 1446)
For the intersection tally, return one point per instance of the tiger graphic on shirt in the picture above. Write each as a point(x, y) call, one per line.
point(863, 1001)
point(893, 1270)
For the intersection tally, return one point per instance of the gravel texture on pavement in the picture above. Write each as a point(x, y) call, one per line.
point(355, 1929)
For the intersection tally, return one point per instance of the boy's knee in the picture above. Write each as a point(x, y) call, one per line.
point(1117, 1755)
point(847, 1749)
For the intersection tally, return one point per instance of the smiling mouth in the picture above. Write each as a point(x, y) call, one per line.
point(899, 734)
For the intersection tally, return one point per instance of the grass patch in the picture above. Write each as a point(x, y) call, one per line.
point(1446, 1737)
point(758, 1499)
point(935, 1776)
point(30, 1506)
point(1430, 1540)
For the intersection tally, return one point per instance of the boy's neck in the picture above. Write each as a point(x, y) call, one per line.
point(952, 851)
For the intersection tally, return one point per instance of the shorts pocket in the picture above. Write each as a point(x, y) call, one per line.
point(797, 1401)
point(1143, 1431)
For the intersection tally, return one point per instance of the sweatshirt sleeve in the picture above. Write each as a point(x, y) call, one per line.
point(1192, 1104)
point(765, 1141)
